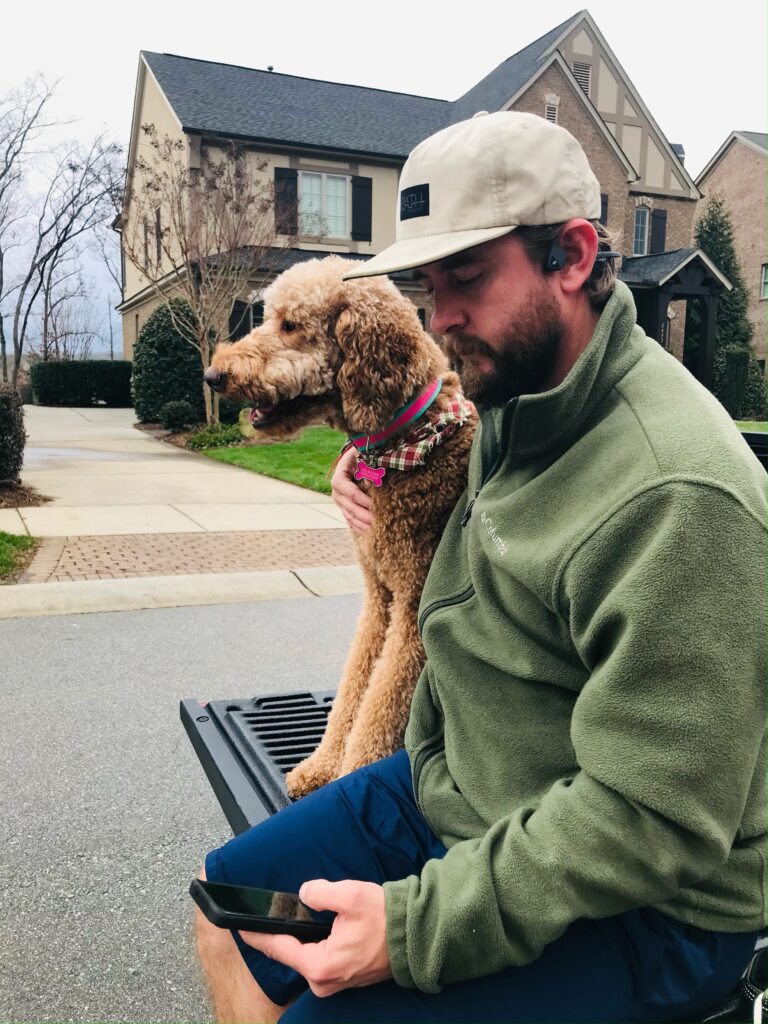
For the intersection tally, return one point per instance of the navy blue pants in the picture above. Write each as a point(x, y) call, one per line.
point(637, 966)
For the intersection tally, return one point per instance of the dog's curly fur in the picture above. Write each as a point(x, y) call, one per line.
point(350, 354)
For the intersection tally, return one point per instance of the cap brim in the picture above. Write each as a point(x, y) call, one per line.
point(409, 253)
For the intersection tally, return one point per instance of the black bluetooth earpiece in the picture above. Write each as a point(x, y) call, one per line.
point(556, 258)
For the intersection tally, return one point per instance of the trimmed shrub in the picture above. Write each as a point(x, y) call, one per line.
point(13, 436)
point(81, 382)
point(753, 405)
point(219, 435)
point(111, 382)
point(736, 368)
point(177, 416)
point(166, 367)
point(229, 412)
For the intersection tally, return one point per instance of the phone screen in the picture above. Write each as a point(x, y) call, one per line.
point(242, 900)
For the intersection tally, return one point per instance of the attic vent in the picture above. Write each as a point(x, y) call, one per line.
point(550, 112)
point(583, 75)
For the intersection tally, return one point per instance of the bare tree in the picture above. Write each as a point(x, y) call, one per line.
point(22, 119)
point(199, 234)
point(77, 199)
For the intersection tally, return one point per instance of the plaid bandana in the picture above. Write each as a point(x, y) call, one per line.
point(414, 448)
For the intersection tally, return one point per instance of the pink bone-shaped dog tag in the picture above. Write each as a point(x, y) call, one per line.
point(364, 472)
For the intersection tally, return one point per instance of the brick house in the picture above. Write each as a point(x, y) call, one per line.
point(335, 151)
point(737, 172)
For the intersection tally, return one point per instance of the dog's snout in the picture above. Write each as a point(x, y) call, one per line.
point(214, 378)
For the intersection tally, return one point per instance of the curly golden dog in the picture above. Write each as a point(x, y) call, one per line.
point(353, 354)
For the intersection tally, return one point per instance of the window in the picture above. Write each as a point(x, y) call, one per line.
point(640, 243)
point(583, 75)
point(146, 244)
point(550, 112)
point(324, 204)
point(764, 281)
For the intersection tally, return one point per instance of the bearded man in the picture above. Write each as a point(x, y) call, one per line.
point(576, 828)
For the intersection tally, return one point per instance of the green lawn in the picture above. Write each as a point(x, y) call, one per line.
point(11, 551)
point(304, 462)
point(753, 425)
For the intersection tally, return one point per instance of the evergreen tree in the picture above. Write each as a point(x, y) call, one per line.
point(733, 329)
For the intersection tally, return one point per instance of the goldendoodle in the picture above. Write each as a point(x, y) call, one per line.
point(354, 355)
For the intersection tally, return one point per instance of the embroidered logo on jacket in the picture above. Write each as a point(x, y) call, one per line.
point(500, 545)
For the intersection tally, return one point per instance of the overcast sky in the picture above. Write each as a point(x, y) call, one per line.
point(701, 69)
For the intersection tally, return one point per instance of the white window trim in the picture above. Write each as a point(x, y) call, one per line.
point(764, 282)
point(647, 230)
point(324, 175)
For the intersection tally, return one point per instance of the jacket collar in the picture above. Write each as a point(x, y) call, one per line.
point(534, 424)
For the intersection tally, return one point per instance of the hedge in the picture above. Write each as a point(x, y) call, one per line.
point(734, 385)
point(82, 382)
point(13, 437)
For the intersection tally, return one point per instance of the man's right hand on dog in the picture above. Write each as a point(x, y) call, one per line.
point(351, 499)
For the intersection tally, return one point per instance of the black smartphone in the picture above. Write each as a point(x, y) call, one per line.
point(243, 908)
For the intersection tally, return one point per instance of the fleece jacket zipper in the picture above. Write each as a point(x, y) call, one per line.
point(490, 453)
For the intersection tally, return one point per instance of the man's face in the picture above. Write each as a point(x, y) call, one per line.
point(501, 323)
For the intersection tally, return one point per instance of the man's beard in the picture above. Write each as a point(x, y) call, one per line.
point(522, 363)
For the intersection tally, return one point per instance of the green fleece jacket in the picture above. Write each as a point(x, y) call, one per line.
point(588, 735)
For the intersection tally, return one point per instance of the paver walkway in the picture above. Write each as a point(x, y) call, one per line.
point(71, 559)
point(127, 505)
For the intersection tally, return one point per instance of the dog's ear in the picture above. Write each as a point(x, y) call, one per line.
point(386, 355)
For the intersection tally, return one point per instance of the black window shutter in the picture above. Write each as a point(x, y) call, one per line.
point(362, 194)
point(658, 231)
point(257, 314)
point(238, 320)
point(603, 209)
point(286, 200)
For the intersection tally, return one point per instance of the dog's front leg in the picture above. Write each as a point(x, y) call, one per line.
point(324, 764)
point(383, 714)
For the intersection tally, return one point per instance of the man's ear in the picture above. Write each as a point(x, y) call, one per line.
point(578, 241)
point(385, 359)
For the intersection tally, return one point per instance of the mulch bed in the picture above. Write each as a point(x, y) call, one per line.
point(21, 497)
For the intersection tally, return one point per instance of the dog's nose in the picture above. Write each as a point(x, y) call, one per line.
point(214, 378)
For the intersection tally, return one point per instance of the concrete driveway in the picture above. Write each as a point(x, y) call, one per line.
point(108, 478)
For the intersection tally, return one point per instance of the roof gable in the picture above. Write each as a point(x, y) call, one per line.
point(494, 91)
point(753, 140)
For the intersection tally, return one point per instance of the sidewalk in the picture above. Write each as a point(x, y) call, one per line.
point(127, 506)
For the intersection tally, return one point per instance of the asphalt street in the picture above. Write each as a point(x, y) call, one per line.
point(105, 813)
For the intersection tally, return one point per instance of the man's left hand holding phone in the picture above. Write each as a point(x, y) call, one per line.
point(349, 952)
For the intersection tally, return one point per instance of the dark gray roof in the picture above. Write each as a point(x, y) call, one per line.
point(496, 88)
point(678, 149)
point(758, 138)
point(232, 101)
point(650, 270)
point(242, 102)
point(276, 260)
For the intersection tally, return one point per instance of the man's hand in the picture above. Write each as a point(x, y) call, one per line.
point(353, 955)
point(351, 499)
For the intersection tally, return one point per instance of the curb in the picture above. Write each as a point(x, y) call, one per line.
point(27, 600)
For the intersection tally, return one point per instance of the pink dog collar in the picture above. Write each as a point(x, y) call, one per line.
point(403, 418)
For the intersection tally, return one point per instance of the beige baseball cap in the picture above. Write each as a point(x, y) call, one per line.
point(481, 178)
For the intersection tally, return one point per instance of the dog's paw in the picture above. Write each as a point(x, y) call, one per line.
point(306, 778)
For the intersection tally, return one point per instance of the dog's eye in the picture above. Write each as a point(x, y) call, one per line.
point(288, 326)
